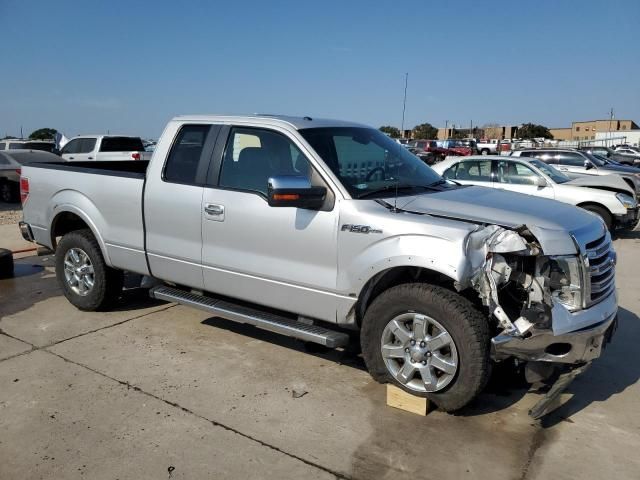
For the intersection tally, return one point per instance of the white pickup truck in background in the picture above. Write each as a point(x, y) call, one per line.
point(104, 148)
point(487, 148)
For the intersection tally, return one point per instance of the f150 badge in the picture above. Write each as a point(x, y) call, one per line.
point(347, 227)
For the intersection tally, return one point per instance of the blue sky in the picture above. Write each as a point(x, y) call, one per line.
point(127, 67)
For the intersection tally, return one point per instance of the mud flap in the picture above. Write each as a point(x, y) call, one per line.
point(547, 403)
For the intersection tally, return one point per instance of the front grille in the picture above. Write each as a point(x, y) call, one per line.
point(602, 271)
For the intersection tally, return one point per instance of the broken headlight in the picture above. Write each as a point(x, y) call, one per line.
point(565, 281)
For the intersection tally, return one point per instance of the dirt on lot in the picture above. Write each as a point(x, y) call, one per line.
point(10, 213)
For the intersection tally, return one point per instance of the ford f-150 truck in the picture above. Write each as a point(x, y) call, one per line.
point(322, 229)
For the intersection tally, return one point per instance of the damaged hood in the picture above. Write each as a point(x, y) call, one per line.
point(550, 221)
point(607, 182)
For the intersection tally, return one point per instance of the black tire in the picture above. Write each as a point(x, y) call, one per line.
point(484, 151)
point(9, 192)
point(108, 282)
point(602, 213)
point(6, 263)
point(467, 326)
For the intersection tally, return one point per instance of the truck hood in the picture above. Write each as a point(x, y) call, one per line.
point(613, 183)
point(550, 221)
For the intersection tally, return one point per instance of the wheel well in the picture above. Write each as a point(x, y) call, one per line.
point(393, 277)
point(594, 204)
point(630, 183)
point(64, 223)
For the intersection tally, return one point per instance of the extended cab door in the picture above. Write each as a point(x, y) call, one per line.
point(173, 204)
point(517, 177)
point(281, 257)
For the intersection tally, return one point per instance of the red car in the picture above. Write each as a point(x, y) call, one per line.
point(432, 146)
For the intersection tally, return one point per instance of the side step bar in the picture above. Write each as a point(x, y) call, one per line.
point(242, 314)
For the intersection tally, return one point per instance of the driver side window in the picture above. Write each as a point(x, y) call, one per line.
point(72, 147)
point(515, 173)
point(252, 155)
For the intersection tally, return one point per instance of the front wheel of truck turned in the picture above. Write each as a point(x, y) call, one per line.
point(85, 279)
point(429, 341)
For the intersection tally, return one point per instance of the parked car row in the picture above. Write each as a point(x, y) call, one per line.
point(608, 196)
point(15, 153)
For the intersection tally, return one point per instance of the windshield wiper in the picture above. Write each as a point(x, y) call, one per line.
point(394, 187)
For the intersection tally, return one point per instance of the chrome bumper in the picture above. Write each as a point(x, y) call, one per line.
point(575, 347)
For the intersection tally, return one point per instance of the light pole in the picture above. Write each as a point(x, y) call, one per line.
point(404, 102)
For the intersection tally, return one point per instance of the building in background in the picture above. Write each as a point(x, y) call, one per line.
point(588, 130)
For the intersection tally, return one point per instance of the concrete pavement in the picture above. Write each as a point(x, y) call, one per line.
point(133, 392)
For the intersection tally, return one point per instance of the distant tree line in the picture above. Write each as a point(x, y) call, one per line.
point(490, 130)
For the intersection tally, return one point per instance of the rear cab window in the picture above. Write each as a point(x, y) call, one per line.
point(121, 144)
point(184, 159)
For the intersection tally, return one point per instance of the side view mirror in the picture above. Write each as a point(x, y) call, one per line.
point(588, 164)
point(294, 191)
point(540, 182)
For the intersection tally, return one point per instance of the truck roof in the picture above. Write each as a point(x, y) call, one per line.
point(296, 122)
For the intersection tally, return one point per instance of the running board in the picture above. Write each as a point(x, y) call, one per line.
point(242, 314)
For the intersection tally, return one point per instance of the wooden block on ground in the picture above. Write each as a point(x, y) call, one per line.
point(398, 398)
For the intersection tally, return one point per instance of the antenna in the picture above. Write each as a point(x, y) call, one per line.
point(404, 102)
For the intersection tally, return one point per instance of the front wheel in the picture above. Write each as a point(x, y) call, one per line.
point(602, 213)
point(85, 279)
point(429, 341)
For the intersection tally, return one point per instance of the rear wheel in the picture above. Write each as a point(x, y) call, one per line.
point(484, 151)
point(602, 213)
point(429, 341)
point(85, 279)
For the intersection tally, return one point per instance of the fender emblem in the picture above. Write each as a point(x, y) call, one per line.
point(359, 229)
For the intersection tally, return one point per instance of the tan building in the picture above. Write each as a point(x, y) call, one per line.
point(587, 130)
point(562, 133)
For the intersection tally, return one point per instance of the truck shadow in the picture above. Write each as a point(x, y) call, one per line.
point(348, 356)
point(609, 375)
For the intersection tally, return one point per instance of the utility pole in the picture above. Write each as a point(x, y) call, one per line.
point(471, 129)
point(446, 124)
point(610, 120)
point(404, 102)
point(21, 136)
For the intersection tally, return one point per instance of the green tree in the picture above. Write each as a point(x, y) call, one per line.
point(43, 134)
point(393, 132)
point(425, 130)
point(531, 130)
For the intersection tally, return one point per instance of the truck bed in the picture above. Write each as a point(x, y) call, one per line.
point(106, 195)
point(128, 168)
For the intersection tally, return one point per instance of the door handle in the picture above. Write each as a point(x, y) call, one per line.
point(70, 158)
point(90, 158)
point(215, 211)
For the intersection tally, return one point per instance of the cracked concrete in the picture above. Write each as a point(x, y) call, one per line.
point(131, 393)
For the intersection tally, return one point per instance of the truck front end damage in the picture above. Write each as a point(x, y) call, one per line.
point(555, 312)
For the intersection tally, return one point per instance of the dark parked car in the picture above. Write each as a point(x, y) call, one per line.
point(11, 162)
point(611, 154)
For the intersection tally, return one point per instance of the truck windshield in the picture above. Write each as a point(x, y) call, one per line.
point(555, 175)
point(369, 163)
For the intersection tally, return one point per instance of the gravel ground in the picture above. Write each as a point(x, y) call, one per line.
point(10, 213)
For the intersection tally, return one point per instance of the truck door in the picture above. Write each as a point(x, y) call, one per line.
point(282, 257)
point(173, 205)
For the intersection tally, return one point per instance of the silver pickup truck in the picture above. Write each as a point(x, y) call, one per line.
point(327, 231)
